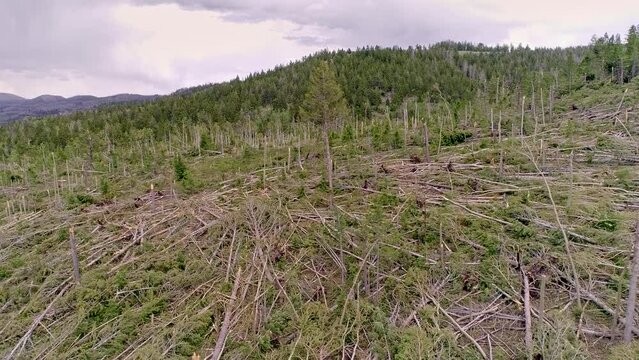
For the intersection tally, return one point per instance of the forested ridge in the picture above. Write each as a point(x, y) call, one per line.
point(452, 201)
point(373, 79)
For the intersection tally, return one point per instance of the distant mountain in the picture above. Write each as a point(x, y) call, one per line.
point(48, 98)
point(13, 107)
point(4, 97)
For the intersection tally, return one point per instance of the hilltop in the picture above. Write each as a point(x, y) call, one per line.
point(13, 107)
point(474, 187)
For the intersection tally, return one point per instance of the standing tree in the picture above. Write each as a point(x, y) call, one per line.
point(632, 51)
point(324, 104)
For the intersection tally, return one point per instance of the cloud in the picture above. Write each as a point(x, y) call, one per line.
point(57, 42)
point(554, 23)
point(191, 47)
point(358, 23)
point(69, 47)
point(55, 34)
point(408, 22)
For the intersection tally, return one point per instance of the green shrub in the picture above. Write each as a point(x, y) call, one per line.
point(609, 225)
point(348, 133)
point(205, 142)
point(15, 178)
point(625, 351)
point(180, 170)
point(396, 141)
point(105, 189)
point(624, 179)
point(455, 138)
point(79, 200)
point(4, 273)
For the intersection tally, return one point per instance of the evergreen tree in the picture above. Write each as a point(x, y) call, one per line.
point(323, 104)
point(632, 51)
point(180, 170)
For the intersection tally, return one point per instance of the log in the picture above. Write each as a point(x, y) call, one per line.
point(632, 293)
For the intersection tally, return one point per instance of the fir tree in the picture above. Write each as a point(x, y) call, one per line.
point(323, 104)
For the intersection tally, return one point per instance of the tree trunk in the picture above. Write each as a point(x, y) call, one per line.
point(426, 142)
point(220, 343)
point(299, 154)
point(543, 113)
point(533, 107)
point(501, 148)
point(521, 128)
point(550, 103)
point(528, 338)
point(405, 124)
point(329, 162)
point(74, 256)
point(632, 293)
point(492, 125)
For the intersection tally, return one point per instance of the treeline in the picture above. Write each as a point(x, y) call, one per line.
point(461, 76)
point(374, 80)
point(611, 58)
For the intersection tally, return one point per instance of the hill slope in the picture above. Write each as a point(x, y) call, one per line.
point(4, 97)
point(13, 107)
point(202, 218)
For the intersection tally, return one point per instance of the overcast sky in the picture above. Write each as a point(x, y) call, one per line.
point(102, 47)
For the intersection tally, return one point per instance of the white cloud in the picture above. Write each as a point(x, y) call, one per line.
point(552, 23)
point(70, 47)
point(190, 47)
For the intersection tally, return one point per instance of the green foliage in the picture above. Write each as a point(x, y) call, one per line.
point(379, 134)
point(105, 189)
point(324, 100)
point(79, 200)
point(348, 133)
point(559, 342)
point(522, 232)
point(604, 142)
point(180, 170)
point(624, 178)
point(609, 225)
point(4, 273)
point(396, 140)
point(385, 200)
point(14, 178)
point(625, 351)
point(205, 142)
point(455, 138)
point(153, 307)
point(278, 322)
point(611, 58)
point(413, 343)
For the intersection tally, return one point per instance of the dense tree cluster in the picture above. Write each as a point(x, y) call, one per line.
point(611, 58)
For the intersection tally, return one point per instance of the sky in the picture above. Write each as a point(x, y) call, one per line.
point(104, 47)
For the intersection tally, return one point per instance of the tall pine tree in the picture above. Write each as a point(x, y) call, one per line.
point(632, 51)
point(324, 104)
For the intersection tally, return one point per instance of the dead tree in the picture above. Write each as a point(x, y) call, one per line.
point(501, 149)
point(528, 339)
point(426, 142)
point(632, 293)
point(74, 256)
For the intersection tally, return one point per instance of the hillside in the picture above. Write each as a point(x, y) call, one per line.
point(4, 97)
point(203, 222)
point(13, 107)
